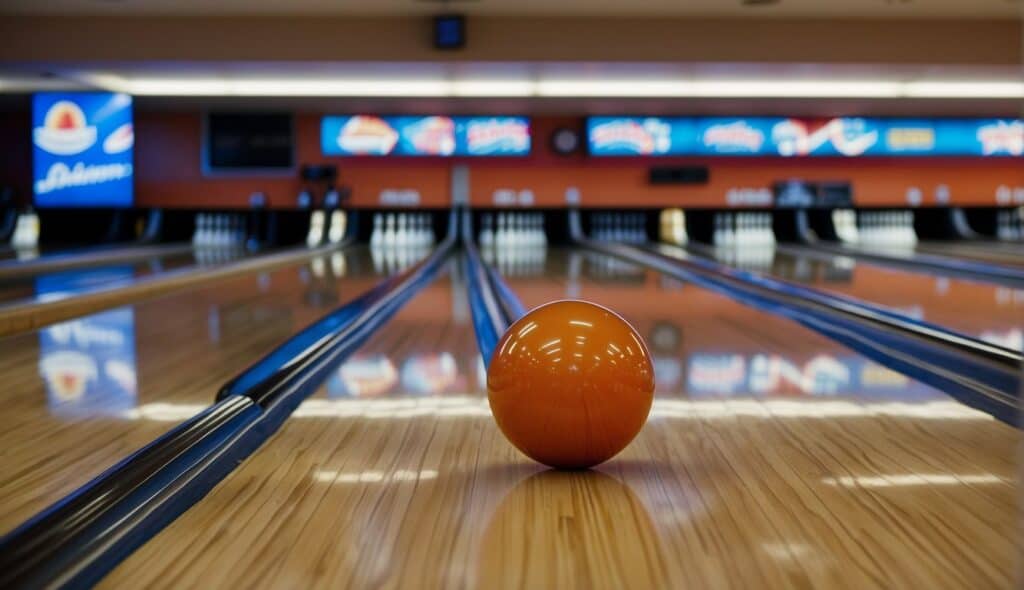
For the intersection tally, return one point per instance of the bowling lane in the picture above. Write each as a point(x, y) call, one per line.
point(78, 281)
point(772, 458)
point(1005, 253)
point(82, 394)
point(983, 310)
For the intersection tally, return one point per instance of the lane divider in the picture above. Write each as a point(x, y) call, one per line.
point(493, 305)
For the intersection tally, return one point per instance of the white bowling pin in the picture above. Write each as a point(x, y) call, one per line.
point(377, 236)
point(389, 231)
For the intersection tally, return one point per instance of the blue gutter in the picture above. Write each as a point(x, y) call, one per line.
point(985, 271)
point(77, 540)
point(492, 303)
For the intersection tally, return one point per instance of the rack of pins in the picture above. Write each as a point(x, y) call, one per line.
point(885, 229)
point(746, 240)
point(628, 228)
point(219, 237)
point(400, 239)
point(515, 242)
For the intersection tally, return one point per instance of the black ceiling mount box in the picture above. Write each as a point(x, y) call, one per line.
point(449, 31)
point(679, 175)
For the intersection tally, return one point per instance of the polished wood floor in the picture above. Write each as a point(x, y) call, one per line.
point(855, 486)
point(185, 346)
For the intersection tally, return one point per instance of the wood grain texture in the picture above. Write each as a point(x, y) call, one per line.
point(186, 346)
point(905, 489)
point(16, 318)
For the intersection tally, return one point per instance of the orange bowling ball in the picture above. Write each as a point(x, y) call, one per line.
point(570, 384)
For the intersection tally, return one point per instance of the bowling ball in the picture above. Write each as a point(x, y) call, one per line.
point(570, 384)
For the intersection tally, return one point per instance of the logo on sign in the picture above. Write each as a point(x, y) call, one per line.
point(433, 136)
point(60, 176)
point(850, 137)
point(630, 136)
point(121, 140)
point(913, 139)
point(65, 131)
point(1002, 137)
point(495, 136)
point(734, 137)
point(367, 136)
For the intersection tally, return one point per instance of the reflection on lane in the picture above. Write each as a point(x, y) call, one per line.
point(706, 346)
point(83, 394)
point(88, 364)
point(983, 310)
point(406, 481)
point(402, 372)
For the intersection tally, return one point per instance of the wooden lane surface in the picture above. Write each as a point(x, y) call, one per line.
point(403, 491)
point(21, 317)
point(88, 258)
point(1008, 253)
point(24, 289)
point(185, 347)
point(974, 308)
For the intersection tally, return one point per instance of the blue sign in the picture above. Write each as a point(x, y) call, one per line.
point(82, 149)
point(368, 135)
point(778, 136)
point(88, 363)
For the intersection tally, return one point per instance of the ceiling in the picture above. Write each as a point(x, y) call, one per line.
point(883, 9)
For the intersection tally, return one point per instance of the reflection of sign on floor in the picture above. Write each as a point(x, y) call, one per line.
point(88, 364)
point(363, 376)
point(822, 375)
point(775, 375)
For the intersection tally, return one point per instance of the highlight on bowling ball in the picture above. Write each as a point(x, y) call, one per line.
point(570, 384)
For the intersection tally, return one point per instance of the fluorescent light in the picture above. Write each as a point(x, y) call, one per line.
point(964, 89)
point(797, 88)
point(175, 87)
point(285, 87)
point(525, 86)
point(441, 83)
point(520, 87)
point(620, 88)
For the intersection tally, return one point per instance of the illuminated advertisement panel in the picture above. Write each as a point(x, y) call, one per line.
point(82, 149)
point(780, 136)
point(370, 135)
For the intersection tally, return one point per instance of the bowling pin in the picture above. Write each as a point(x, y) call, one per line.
point(316, 230)
point(487, 231)
point(389, 231)
point(377, 236)
point(337, 228)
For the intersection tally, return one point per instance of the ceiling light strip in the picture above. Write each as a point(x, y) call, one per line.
point(557, 87)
